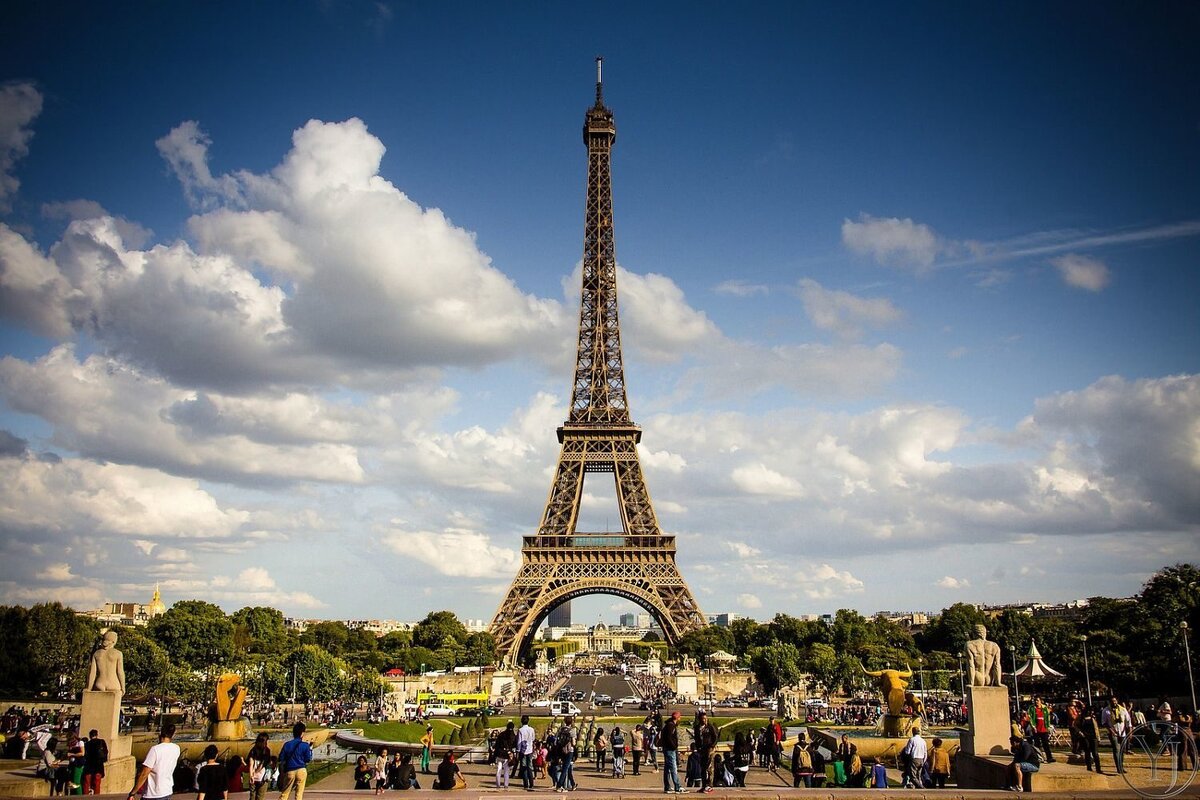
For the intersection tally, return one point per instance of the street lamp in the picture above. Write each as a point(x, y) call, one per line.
point(962, 683)
point(1087, 676)
point(1016, 686)
point(1187, 653)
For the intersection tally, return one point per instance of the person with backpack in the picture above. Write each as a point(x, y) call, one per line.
point(802, 766)
point(618, 755)
point(566, 749)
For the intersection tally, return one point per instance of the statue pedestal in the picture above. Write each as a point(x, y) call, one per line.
point(988, 722)
point(503, 685)
point(101, 711)
point(685, 684)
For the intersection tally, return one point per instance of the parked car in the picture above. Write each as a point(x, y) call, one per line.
point(543, 703)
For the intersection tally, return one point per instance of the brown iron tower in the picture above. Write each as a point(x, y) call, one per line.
point(559, 563)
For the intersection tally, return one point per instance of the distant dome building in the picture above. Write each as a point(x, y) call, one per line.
point(156, 606)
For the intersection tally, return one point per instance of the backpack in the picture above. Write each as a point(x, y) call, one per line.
point(566, 741)
point(102, 751)
point(804, 760)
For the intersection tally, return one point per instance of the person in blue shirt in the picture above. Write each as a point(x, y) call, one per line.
point(293, 763)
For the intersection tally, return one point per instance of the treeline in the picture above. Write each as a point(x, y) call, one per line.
point(47, 648)
point(1134, 646)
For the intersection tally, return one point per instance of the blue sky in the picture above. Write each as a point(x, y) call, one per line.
point(909, 297)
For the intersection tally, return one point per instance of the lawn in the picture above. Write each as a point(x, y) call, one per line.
point(396, 731)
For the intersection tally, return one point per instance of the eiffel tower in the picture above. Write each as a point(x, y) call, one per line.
point(559, 563)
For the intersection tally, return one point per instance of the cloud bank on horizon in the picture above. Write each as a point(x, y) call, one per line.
point(323, 371)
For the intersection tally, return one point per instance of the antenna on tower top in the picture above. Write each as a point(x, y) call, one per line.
point(599, 80)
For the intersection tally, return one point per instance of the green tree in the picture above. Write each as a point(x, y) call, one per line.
point(438, 627)
point(776, 665)
point(331, 636)
point(821, 662)
point(258, 629)
point(317, 675)
point(800, 633)
point(480, 650)
point(147, 664)
point(17, 673)
point(952, 629)
point(60, 647)
point(747, 633)
point(709, 639)
point(194, 633)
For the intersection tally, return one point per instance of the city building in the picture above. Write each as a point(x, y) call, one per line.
point(136, 614)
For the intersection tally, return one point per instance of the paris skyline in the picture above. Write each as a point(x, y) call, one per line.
point(908, 299)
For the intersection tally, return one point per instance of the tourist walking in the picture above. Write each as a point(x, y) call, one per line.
point(506, 749)
point(526, 741)
point(381, 767)
point(566, 749)
point(211, 782)
point(939, 764)
point(914, 754)
point(1089, 739)
point(158, 768)
point(293, 763)
point(1039, 719)
point(95, 756)
point(669, 744)
point(1118, 723)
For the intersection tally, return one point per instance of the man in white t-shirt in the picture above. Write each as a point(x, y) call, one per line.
point(158, 768)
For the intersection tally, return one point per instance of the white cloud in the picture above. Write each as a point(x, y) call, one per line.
point(892, 241)
point(1082, 272)
point(455, 553)
point(366, 282)
point(743, 550)
point(759, 479)
point(949, 582)
point(844, 313)
point(747, 600)
point(656, 319)
point(740, 288)
point(20, 104)
point(102, 409)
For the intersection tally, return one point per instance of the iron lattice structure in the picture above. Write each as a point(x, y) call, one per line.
point(559, 563)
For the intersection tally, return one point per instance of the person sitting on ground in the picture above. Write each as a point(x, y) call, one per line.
point(1025, 762)
point(406, 774)
point(449, 776)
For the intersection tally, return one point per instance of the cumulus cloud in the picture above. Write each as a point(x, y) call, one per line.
point(319, 271)
point(950, 582)
point(20, 105)
point(1082, 272)
point(892, 241)
point(846, 314)
point(103, 409)
point(747, 600)
point(455, 553)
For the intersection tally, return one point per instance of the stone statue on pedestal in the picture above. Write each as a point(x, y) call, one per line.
point(106, 673)
point(983, 660)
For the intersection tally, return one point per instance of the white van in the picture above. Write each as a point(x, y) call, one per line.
point(438, 710)
point(563, 708)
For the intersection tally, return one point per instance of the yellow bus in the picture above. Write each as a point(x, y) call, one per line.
point(455, 700)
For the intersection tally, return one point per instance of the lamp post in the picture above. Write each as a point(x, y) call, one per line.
point(1187, 654)
point(962, 682)
point(1016, 686)
point(1087, 676)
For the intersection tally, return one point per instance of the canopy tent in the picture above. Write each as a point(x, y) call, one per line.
point(1035, 667)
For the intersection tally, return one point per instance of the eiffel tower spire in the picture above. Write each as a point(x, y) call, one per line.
point(559, 563)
